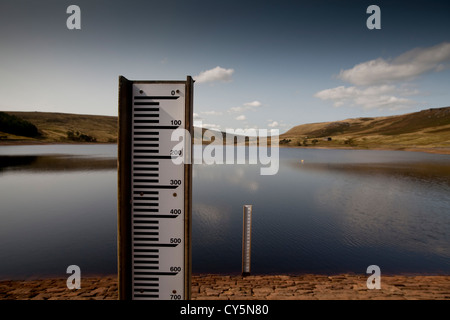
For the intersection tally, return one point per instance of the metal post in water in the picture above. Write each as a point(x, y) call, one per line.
point(246, 240)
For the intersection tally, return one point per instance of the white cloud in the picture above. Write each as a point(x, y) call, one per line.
point(197, 116)
point(374, 97)
point(278, 124)
point(212, 113)
point(246, 106)
point(241, 117)
point(237, 109)
point(215, 74)
point(380, 83)
point(253, 104)
point(405, 67)
point(212, 126)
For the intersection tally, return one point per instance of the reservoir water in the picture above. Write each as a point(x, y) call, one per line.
point(336, 211)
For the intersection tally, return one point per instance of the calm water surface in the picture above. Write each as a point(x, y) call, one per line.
point(337, 211)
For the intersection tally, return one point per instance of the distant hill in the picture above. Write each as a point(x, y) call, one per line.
point(67, 127)
point(424, 129)
point(17, 126)
point(63, 127)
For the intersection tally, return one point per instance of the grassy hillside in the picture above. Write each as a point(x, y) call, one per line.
point(66, 127)
point(15, 125)
point(63, 127)
point(424, 129)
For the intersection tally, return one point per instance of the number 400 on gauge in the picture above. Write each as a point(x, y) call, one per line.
point(154, 191)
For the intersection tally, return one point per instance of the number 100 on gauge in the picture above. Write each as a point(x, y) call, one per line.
point(154, 189)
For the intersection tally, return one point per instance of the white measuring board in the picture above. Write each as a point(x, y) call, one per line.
point(157, 188)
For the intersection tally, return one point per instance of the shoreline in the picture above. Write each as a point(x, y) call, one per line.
point(436, 150)
point(253, 287)
point(46, 143)
point(432, 150)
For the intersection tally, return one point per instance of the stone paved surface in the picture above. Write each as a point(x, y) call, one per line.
point(220, 287)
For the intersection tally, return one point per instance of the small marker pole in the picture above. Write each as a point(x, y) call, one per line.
point(246, 240)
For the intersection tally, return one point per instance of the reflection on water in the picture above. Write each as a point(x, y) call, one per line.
point(391, 202)
point(337, 211)
point(425, 171)
point(55, 163)
point(57, 209)
point(85, 150)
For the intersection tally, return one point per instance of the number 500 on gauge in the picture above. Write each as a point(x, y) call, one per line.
point(154, 191)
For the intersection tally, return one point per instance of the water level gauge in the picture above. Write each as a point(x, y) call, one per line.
point(154, 190)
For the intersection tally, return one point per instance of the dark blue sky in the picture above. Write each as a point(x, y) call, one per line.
point(271, 63)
